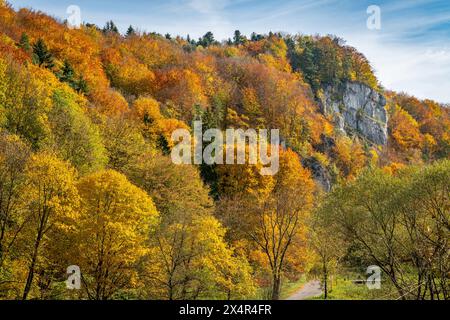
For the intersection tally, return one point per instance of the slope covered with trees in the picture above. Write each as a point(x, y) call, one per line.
point(86, 117)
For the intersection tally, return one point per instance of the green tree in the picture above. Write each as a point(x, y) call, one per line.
point(42, 56)
point(74, 137)
point(238, 38)
point(81, 85)
point(24, 43)
point(329, 247)
point(423, 203)
point(207, 40)
point(67, 73)
point(110, 27)
point(399, 223)
point(256, 37)
point(304, 58)
point(130, 31)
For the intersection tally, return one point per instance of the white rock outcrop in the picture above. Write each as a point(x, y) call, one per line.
point(357, 109)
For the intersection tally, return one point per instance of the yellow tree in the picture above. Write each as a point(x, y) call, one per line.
point(157, 129)
point(123, 141)
point(114, 228)
point(3, 90)
point(51, 200)
point(281, 216)
point(267, 215)
point(404, 130)
point(349, 156)
point(13, 157)
point(189, 258)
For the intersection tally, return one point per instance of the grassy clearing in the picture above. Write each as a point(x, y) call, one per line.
point(343, 288)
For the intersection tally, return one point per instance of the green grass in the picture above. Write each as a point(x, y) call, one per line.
point(343, 288)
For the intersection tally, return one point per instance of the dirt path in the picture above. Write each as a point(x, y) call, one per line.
point(310, 290)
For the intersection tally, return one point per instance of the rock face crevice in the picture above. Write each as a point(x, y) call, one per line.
point(357, 109)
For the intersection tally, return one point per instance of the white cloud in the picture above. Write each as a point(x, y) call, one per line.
point(211, 15)
point(422, 71)
point(208, 6)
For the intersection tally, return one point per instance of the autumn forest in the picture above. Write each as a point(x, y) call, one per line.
point(86, 177)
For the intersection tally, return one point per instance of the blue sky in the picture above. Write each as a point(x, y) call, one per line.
point(411, 51)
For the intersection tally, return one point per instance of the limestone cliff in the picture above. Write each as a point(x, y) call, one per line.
point(357, 109)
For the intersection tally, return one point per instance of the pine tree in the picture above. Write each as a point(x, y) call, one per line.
point(257, 37)
point(25, 43)
point(207, 39)
point(67, 73)
point(106, 28)
point(81, 85)
point(110, 27)
point(42, 56)
point(131, 32)
point(238, 38)
point(92, 25)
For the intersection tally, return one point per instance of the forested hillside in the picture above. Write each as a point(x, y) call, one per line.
point(86, 178)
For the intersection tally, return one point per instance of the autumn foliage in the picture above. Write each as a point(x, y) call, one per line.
point(86, 118)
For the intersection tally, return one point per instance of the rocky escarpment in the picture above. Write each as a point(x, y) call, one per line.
point(357, 109)
point(319, 172)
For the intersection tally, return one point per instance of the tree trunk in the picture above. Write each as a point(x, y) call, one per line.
point(40, 234)
point(276, 287)
point(31, 269)
point(325, 281)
